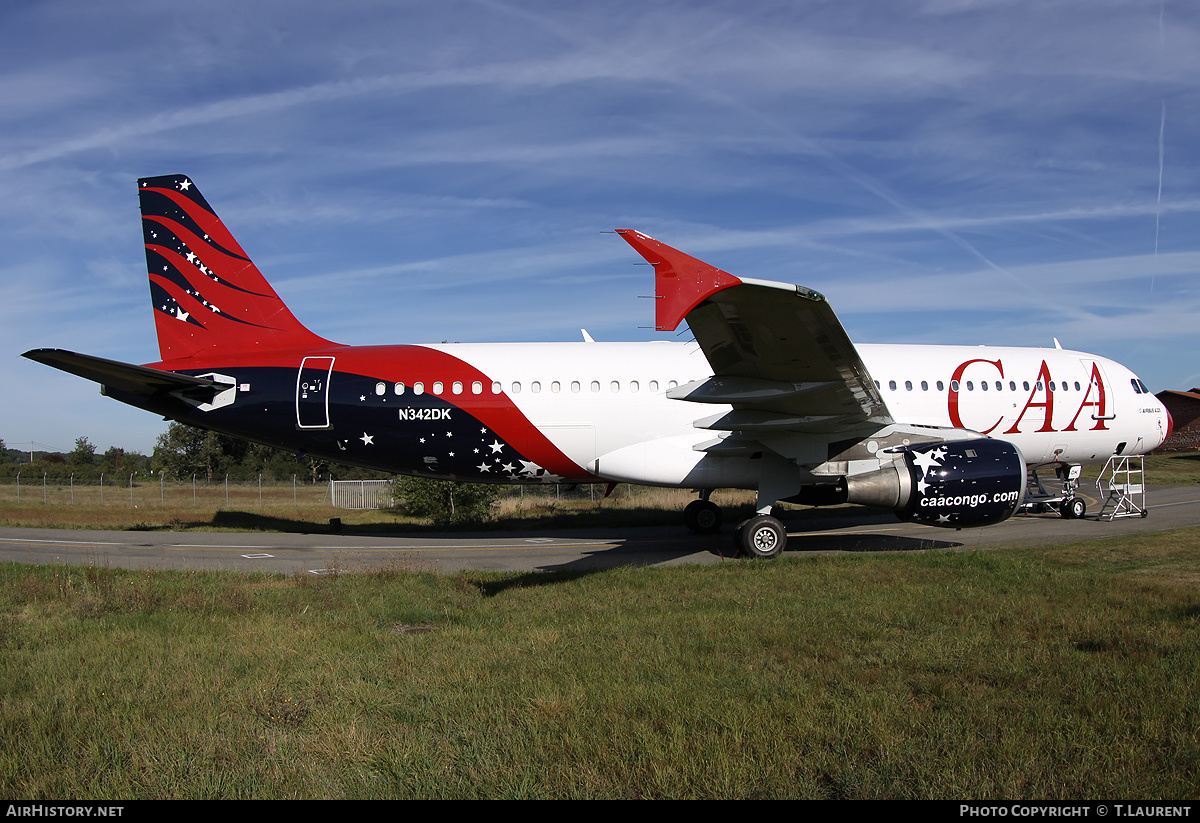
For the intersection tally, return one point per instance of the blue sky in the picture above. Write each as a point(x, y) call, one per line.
point(945, 171)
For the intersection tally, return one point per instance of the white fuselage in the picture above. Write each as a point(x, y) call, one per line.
point(604, 405)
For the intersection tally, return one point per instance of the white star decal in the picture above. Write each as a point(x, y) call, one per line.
point(367, 439)
point(484, 467)
point(927, 461)
point(497, 446)
point(185, 185)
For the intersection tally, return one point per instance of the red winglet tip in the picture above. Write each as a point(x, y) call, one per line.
point(681, 282)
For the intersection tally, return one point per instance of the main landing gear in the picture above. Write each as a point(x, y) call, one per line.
point(703, 516)
point(760, 536)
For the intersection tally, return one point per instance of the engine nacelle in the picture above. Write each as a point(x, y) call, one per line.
point(957, 484)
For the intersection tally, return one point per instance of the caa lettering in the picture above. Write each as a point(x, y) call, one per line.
point(1040, 397)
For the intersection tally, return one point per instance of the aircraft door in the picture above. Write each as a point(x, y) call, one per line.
point(1100, 396)
point(312, 393)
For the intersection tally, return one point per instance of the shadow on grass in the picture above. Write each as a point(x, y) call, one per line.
point(852, 543)
point(652, 551)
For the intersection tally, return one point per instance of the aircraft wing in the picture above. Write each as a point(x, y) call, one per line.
point(778, 352)
point(141, 381)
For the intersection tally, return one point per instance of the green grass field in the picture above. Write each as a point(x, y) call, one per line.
point(1067, 672)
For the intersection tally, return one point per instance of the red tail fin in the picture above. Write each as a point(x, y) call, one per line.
point(208, 297)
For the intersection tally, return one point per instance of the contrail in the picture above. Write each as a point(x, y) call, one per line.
point(1162, 130)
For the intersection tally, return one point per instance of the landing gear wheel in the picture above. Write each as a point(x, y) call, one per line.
point(761, 536)
point(702, 517)
point(1074, 508)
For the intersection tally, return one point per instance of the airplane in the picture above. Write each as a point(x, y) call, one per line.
point(771, 396)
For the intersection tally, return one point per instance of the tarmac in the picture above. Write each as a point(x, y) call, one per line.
point(1167, 508)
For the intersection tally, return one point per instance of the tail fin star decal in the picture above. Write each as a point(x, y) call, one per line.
point(199, 274)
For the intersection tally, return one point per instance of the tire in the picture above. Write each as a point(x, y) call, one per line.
point(1075, 508)
point(703, 517)
point(761, 536)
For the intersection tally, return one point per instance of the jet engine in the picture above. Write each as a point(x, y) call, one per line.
point(955, 484)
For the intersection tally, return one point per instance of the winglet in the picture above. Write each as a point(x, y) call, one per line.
point(681, 282)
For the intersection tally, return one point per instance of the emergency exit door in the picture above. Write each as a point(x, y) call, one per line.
point(312, 393)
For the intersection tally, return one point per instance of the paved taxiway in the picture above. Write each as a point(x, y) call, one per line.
point(318, 553)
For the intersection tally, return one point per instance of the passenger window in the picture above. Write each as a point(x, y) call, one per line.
point(1012, 385)
point(456, 387)
point(437, 387)
point(496, 387)
point(953, 385)
point(556, 387)
point(908, 385)
point(575, 386)
point(516, 388)
point(380, 388)
point(633, 386)
point(940, 386)
point(983, 385)
point(418, 388)
point(970, 385)
point(595, 386)
point(535, 387)
point(654, 385)
point(892, 385)
point(398, 388)
point(477, 387)
point(924, 385)
point(614, 387)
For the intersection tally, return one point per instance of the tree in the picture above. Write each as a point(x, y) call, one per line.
point(84, 453)
point(447, 502)
point(113, 459)
point(185, 450)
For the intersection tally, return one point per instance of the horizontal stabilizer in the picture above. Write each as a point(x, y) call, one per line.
point(142, 381)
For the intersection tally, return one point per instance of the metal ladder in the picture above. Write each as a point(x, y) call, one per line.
point(1123, 480)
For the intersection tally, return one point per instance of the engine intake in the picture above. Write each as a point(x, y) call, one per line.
point(957, 484)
